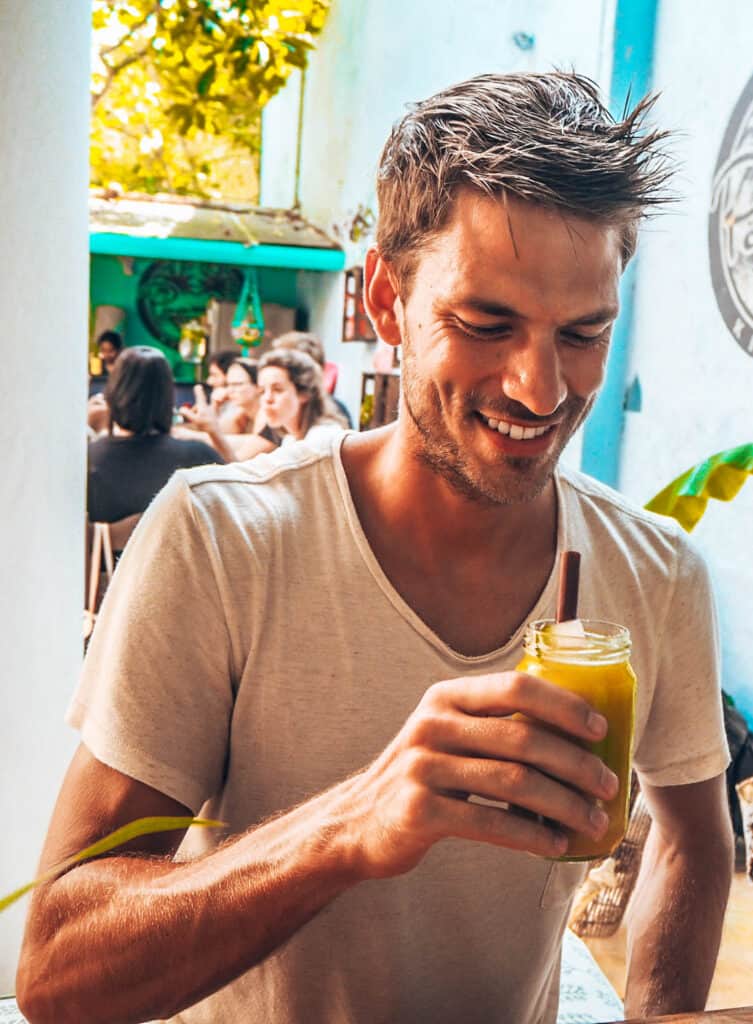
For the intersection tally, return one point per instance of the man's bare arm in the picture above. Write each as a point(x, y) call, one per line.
point(94, 936)
point(131, 938)
point(676, 915)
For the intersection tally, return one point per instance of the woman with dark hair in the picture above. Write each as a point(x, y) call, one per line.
point(138, 456)
point(294, 401)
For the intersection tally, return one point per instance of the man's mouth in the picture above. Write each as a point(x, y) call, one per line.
point(515, 431)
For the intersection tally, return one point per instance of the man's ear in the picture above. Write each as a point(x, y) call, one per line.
point(381, 298)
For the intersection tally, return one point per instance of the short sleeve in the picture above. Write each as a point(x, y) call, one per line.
point(684, 740)
point(155, 696)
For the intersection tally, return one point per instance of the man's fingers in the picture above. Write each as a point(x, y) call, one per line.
point(522, 740)
point(502, 828)
point(200, 396)
point(509, 692)
point(518, 785)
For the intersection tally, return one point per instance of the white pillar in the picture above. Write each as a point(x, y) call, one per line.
point(44, 111)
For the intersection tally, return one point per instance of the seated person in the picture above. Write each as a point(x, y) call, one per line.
point(97, 416)
point(109, 347)
point(138, 456)
point(219, 363)
point(294, 401)
point(306, 341)
point(250, 434)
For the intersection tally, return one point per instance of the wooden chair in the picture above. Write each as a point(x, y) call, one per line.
point(103, 542)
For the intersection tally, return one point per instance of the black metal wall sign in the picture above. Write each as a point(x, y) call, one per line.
point(731, 223)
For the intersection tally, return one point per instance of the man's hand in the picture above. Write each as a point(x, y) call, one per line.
point(491, 736)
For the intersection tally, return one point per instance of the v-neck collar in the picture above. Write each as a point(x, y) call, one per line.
point(541, 609)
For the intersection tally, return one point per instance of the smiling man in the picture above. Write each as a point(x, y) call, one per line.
point(318, 647)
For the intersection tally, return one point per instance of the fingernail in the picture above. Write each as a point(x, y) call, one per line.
point(560, 844)
point(610, 784)
point(599, 820)
point(596, 724)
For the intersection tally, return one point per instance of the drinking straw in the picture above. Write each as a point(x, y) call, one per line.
point(567, 598)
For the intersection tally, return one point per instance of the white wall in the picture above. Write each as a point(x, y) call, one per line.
point(44, 64)
point(278, 154)
point(372, 60)
point(697, 382)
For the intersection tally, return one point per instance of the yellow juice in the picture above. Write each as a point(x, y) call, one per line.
point(595, 667)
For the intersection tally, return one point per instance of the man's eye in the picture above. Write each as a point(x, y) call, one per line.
point(585, 340)
point(484, 330)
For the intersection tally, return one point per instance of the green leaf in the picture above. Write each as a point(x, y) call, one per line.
point(174, 61)
point(721, 476)
point(205, 82)
point(139, 827)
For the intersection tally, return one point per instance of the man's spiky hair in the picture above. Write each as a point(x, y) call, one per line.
point(541, 138)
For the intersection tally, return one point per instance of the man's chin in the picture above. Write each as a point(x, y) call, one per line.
point(517, 481)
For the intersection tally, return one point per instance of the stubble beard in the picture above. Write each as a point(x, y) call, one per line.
point(516, 480)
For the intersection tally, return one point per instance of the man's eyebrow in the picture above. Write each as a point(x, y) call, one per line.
point(489, 308)
point(598, 316)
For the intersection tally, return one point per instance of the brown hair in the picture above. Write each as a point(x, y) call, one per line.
point(306, 377)
point(302, 341)
point(140, 392)
point(251, 366)
point(224, 358)
point(542, 138)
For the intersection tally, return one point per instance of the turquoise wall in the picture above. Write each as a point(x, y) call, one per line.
point(111, 285)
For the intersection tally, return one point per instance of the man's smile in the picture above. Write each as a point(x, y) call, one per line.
point(515, 439)
point(516, 431)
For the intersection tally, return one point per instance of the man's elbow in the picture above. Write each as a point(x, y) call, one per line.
point(36, 992)
point(32, 995)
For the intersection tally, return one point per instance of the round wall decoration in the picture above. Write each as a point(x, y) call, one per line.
point(731, 223)
point(174, 292)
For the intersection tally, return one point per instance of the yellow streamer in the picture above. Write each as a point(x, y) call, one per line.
point(139, 827)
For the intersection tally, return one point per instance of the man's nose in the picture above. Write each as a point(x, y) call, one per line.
point(533, 376)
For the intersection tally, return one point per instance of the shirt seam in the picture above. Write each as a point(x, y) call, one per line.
point(215, 565)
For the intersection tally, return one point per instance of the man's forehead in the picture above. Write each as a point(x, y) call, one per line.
point(491, 243)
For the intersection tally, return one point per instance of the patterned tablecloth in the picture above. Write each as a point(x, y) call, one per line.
point(586, 995)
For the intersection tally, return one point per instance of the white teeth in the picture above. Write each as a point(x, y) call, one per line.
point(515, 431)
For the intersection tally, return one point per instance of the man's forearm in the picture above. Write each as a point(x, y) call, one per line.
point(131, 939)
point(675, 925)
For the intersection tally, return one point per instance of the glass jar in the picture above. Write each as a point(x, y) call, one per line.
point(596, 666)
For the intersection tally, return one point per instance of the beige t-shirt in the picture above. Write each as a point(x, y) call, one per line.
point(251, 652)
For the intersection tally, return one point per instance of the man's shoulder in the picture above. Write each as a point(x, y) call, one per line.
point(597, 500)
point(287, 467)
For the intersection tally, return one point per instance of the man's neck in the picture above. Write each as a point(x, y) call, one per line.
point(409, 497)
point(471, 571)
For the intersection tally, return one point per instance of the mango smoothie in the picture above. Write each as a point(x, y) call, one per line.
point(592, 661)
